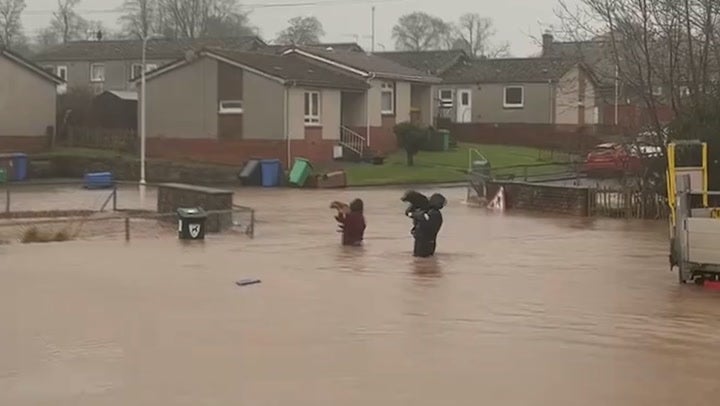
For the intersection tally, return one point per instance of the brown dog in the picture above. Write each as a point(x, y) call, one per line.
point(341, 207)
point(342, 210)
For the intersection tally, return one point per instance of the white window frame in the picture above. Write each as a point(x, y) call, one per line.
point(94, 79)
point(223, 109)
point(684, 91)
point(514, 105)
point(310, 118)
point(149, 67)
point(385, 88)
point(446, 102)
point(62, 68)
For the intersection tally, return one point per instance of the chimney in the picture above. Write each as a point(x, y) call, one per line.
point(547, 41)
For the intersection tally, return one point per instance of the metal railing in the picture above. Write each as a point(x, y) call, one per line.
point(99, 208)
point(352, 140)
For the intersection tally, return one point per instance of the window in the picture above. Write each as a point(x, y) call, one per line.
point(465, 99)
point(62, 72)
point(514, 97)
point(312, 108)
point(387, 98)
point(684, 91)
point(136, 70)
point(657, 91)
point(97, 72)
point(231, 107)
point(446, 98)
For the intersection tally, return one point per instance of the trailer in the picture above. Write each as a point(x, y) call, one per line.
point(694, 225)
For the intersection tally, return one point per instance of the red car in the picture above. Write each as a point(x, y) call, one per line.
point(613, 159)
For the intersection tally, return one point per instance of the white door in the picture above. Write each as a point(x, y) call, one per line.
point(464, 106)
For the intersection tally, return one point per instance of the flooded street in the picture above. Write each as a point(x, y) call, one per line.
point(514, 310)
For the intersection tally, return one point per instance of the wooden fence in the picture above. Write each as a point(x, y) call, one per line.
point(120, 140)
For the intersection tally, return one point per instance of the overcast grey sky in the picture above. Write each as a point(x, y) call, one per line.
point(515, 20)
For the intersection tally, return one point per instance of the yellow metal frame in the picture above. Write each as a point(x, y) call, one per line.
point(671, 176)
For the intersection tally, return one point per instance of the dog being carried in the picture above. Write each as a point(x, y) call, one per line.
point(427, 220)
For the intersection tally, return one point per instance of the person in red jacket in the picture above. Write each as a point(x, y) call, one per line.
point(352, 223)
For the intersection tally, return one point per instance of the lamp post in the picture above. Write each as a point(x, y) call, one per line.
point(142, 112)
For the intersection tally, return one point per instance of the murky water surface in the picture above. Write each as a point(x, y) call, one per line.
point(514, 310)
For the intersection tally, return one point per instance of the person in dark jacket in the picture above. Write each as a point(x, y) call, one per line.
point(352, 223)
point(427, 226)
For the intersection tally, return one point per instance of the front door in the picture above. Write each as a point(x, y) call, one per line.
point(464, 106)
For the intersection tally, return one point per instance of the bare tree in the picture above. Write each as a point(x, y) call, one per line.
point(421, 32)
point(473, 35)
point(301, 31)
point(201, 18)
point(139, 18)
point(10, 21)
point(67, 23)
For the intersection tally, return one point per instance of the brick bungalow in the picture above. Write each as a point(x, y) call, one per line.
point(27, 104)
point(226, 107)
point(396, 94)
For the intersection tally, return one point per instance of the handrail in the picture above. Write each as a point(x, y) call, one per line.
point(472, 152)
point(352, 140)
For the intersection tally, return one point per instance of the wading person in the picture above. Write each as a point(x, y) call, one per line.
point(351, 221)
point(426, 225)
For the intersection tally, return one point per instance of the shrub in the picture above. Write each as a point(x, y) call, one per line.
point(411, 138)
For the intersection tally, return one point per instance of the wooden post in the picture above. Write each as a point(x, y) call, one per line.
point(7, 198)
point(114, 198)
point(127, 228)
point(252, 223)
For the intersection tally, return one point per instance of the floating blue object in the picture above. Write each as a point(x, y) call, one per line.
point(99, 180)
point(246, 282)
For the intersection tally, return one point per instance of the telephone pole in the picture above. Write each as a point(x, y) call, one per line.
point(372, 46)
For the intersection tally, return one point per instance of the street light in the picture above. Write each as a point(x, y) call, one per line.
point(142, 119)
point(142, 111)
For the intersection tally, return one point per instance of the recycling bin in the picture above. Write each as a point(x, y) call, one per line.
point(251, 174)
point(271, 170)
point(300, 171)
point(8, 166)
point(444, 139)
point(191, 223)
point(3, 176)
point(20, 163)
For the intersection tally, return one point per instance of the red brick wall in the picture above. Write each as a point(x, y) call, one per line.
point(382, 139)
point(23, 144)
point(569, 138)
point(235, 152)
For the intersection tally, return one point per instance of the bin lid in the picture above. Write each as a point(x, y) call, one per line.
point(191, 212)
point(269, 161)
point(307, 161)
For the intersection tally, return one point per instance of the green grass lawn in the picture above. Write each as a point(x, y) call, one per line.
point(450, 166)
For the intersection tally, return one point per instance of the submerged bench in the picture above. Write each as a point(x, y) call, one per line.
point(172, 196)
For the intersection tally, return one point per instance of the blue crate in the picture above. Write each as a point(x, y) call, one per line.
point(99, 180)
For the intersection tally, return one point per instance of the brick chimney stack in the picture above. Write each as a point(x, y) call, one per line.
point(547, 41)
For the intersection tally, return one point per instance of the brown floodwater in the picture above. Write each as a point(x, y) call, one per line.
point(514, 310)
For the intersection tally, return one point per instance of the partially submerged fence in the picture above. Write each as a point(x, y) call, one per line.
point(103, 215)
